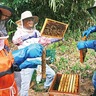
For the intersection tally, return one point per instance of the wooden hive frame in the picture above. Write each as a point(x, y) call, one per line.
point(53, 29)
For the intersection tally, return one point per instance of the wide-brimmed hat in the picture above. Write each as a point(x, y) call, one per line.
point(92, 11)
point(18, 22)
point(3, 36)
point(26, 15)
point(6, 11)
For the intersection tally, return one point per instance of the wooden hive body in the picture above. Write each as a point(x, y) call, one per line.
point(65, 87)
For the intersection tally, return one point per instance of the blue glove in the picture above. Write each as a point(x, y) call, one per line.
point(34, 50)
point(91, 44)
point(30, 64)
point(94, 79)
point(16, 67)
point(90, 30)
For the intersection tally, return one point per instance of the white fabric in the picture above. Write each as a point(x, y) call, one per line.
point(26, 14)
point(23, 33)
point(1, 44)
point(3, 27)
point(26, 75)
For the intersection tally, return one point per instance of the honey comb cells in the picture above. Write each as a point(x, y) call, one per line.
point(53, 28)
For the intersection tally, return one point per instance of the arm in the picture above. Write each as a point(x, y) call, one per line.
point(17, 38)
point(20, 36)
point(31, 51)
point(91, 44)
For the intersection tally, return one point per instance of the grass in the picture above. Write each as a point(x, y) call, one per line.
point(68, 58)
point(68, 61)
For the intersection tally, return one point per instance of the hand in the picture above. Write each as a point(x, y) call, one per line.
point(86, 33)
point(18, 41)
point(90, 30)
point(16, 67)
point(44, 41)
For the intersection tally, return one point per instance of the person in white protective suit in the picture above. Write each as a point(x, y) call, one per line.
point(27, 36)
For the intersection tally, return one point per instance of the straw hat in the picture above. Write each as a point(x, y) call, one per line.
point(25, 15)
point(18, 23)
point(6, 11)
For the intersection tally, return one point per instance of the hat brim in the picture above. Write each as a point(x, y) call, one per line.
point(35, 20)
point(6, 11)
point(5, 37)
point(18, 22)
point(92, 10)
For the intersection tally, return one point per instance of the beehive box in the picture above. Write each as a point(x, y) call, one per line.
point(53, 29)
point(65, 85)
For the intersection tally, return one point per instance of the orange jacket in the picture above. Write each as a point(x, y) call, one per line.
point(7, 83)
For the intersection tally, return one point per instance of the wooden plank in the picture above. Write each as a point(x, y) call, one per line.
point(44, 64)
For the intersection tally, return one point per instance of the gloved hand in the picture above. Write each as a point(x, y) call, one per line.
point(30, 64)
point(91, 44)
point(16, 67)
point(90, 30)
point(18, 41)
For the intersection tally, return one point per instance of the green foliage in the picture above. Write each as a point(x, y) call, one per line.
point(62, 64)
point(87, 67)
point(72, 12)
point(75, 68)
point(63, 48)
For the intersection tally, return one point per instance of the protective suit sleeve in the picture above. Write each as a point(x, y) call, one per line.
point(30, 64)
point(91, 44)
point(19, 55)
point(88, 31)
point(55, 40)
point(31, 51)
point(34, 50)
